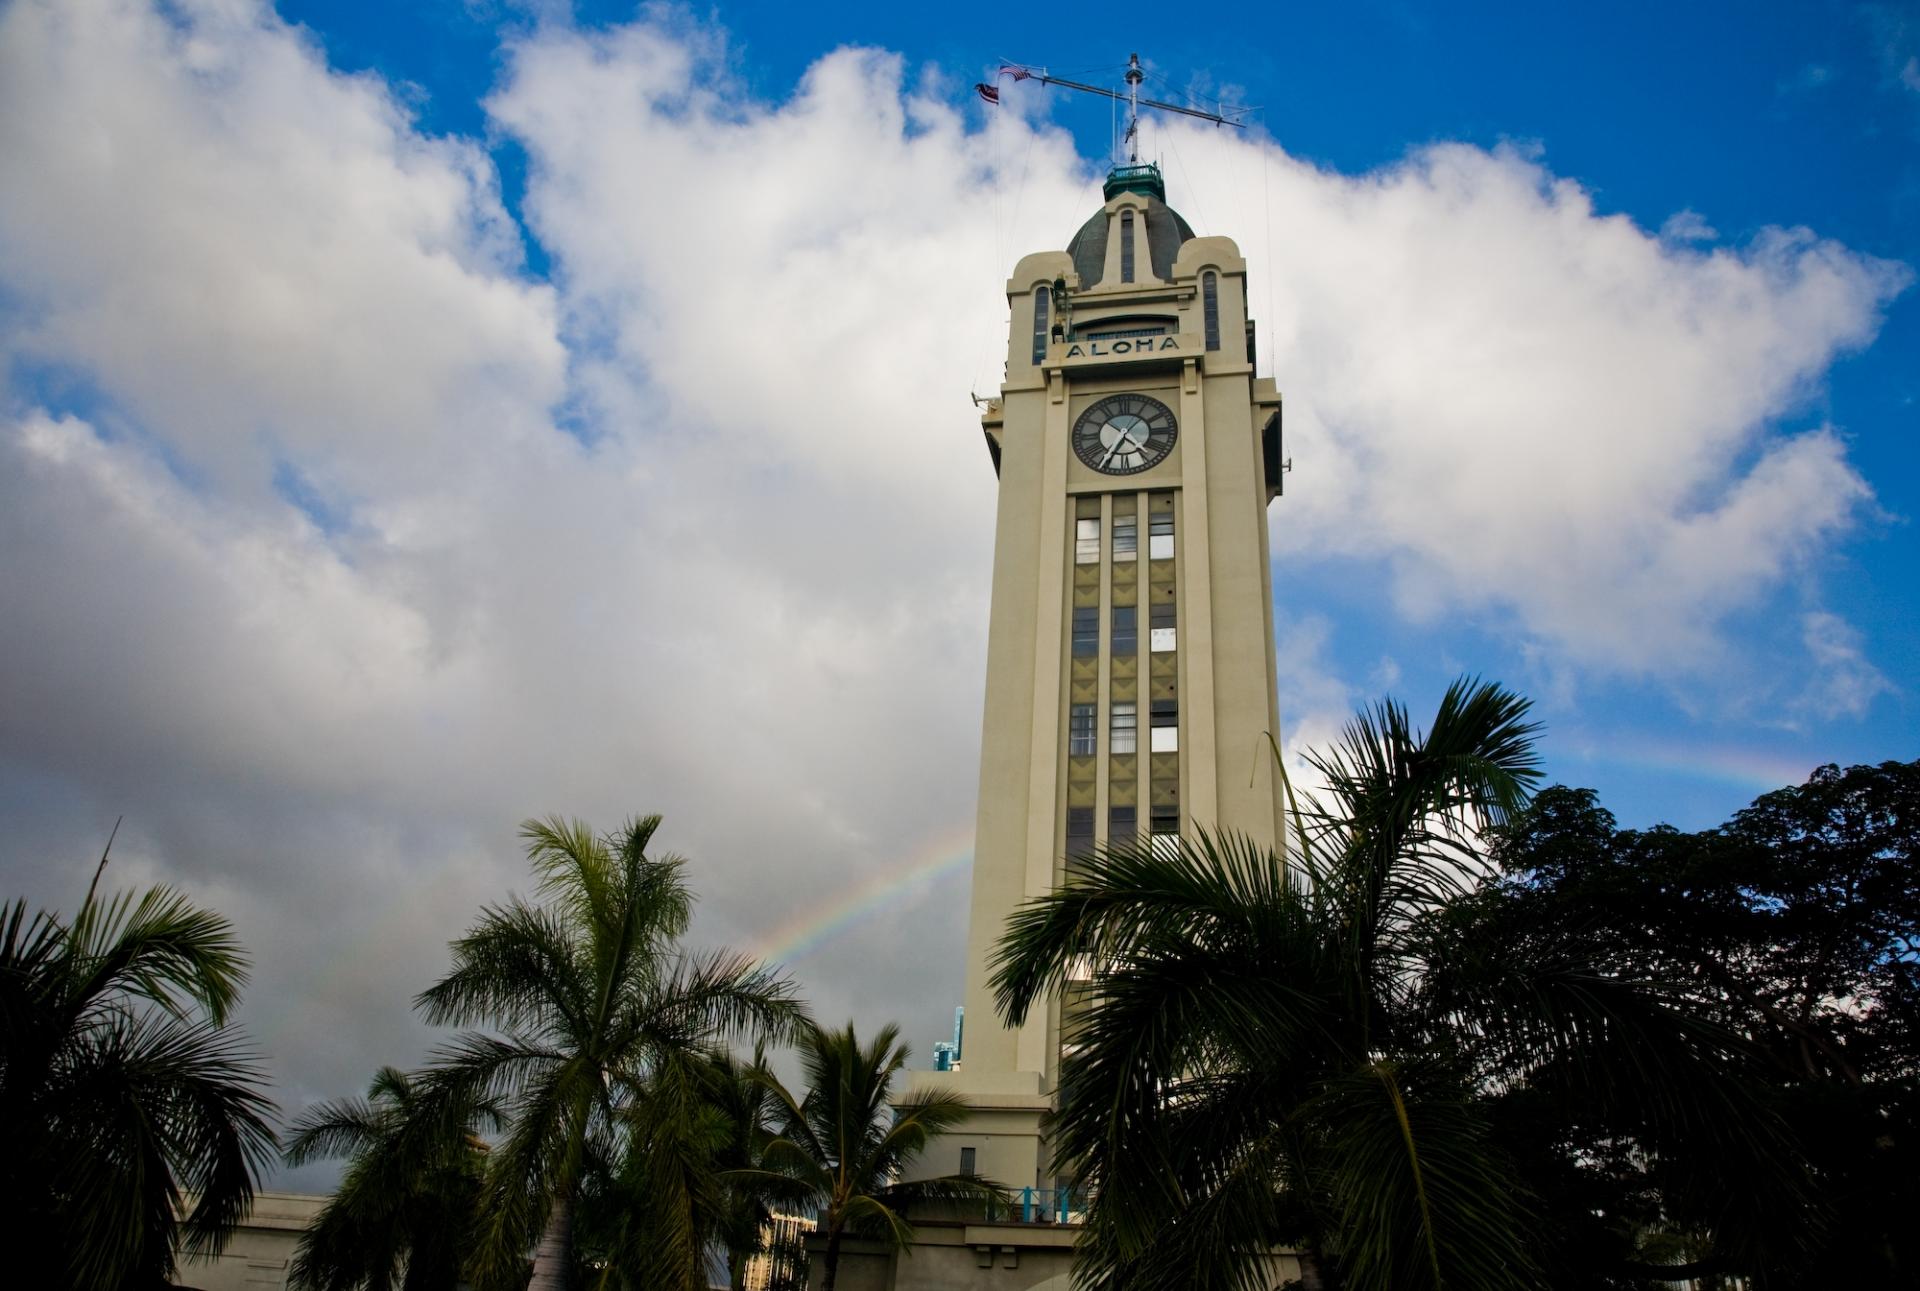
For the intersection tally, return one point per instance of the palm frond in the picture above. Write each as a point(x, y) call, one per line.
point(518, 967)
point(1424, 1198)
point(157, 947)
point(334, 1129)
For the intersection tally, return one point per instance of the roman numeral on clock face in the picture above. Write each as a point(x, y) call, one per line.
point(1124, 434)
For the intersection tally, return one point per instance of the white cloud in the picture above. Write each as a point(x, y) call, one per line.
point(1526, 407)
point(257, 255)
point(1687, 226)
point(1809, 78)
point(746, 584)
point(1843, 681)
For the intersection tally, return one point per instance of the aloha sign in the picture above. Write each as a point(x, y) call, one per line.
point(1091, 349)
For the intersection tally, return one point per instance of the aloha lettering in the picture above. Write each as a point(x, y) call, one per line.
point(1092, 348)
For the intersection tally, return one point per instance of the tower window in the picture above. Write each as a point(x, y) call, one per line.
point(1160, 623)
point(1126, 636)
point(1160, 536)
point(967, 1159)
point(1080, 731)
point(1086, 629)
point(1166, 732)
point(1123, 728)
point(1210, 298)
point(1122, 824)
point(1166, 831)
point(1079, 832)
point(1042, 306)
point(1126, 246)
point(1126, 537)
point(1086, 542)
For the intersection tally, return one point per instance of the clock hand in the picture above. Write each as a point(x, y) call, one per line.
point(1113, 449)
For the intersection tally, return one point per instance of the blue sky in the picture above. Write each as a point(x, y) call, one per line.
point(1804, 114)
point(417, 418)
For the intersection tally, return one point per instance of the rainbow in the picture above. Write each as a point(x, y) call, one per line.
point(939, 860)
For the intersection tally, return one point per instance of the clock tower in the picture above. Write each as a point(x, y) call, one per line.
point(1130, 662)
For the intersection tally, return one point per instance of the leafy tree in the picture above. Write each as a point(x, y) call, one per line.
point(1299, 1053)
point(846, 1142)
point(591, 999)
point(123, 1090)
point(1793, 928)
point(670, 1194)
point(403, 1213)
point(688, 1175)
point(742, 1094)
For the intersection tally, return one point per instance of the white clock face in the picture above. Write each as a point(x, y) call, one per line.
point(1124, 434)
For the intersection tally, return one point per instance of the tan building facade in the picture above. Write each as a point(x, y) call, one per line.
point(259, 1255)
point(1130, 661)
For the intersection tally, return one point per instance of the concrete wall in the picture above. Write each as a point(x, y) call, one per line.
point(956, 1256)
point(261, 1252)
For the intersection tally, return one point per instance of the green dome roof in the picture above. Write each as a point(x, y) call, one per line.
point(1166, 231)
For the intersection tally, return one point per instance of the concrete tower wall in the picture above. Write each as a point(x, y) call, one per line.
point(1184, 644)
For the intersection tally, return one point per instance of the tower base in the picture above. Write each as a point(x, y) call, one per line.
point(1001, 1140)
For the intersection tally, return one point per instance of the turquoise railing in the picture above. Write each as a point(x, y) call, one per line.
point(1043, 1206)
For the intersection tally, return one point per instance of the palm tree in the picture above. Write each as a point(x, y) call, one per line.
point(123, 1090)
point(846, 1142)
point(1276, 1055)
point(686, 1177)
point(408, 1198)
point(590, 998)
point(742, 1095)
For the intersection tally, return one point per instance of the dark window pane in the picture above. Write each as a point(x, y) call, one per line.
point(1210, 291)
point(1042, 299)
point(1086, 629)
point(1080, 731)
point(1126, 638)
point(1126, 246)
point(1122, 823)
point(1079, 831)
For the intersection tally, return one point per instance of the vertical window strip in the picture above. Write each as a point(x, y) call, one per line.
point(1126, 537)
point(1126, 632)
point(1081, 733)
point(1086, 630)
point(1042, 302)
point(1086, 542)
point(1122, 824)
point(1079, 832)
point(1160, 536)
point(1161, 623)
point(1123, 729)
point(1126, 246)
point(1210, 293)
point(1166, 726)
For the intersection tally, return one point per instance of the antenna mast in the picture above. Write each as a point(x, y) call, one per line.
point(1134, 77)
point(1235, 117)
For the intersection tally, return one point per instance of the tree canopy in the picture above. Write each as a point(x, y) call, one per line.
point(133, 1121)
point(1791, 929)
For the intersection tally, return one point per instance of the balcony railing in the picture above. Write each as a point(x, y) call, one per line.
point(1041, 1206)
